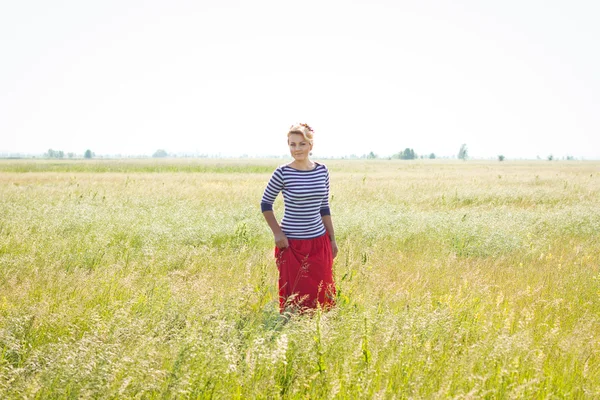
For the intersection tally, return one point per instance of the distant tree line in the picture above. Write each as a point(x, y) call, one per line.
point(61, 154)
point(406, 154)
point(409, 154)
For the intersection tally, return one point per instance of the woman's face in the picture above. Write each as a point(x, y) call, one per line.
point(299, 147)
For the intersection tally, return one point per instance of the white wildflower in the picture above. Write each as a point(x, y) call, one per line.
point(279, 353)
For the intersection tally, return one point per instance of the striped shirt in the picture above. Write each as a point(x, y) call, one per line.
point(305, 199)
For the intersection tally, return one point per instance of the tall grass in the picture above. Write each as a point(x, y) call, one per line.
point(455, 280)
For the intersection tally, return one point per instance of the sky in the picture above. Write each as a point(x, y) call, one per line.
point(519, 78)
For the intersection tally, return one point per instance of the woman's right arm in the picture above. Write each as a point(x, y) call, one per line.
point(281, 240)
point(273, 188)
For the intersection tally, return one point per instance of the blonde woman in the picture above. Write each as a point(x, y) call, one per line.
point(305, 240)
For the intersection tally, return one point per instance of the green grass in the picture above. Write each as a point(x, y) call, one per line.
point(455, 280)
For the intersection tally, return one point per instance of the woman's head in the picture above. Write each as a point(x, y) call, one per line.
point(302, 129)
point(300, 141)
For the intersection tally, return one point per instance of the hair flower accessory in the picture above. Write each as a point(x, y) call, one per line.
point(308, 127)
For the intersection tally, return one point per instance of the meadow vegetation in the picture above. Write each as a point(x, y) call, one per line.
point(156, 279)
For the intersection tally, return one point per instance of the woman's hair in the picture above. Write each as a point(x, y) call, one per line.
point(302, 129)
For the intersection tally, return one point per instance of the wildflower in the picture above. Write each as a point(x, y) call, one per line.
point(280, 351)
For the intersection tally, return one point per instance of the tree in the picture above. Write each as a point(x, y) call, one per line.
point(432, 156)
point(55, 153)
point(159, 153)
point(88, 154)
point(550, 157)
point(407, 154)
point(463, 152)
point(500, 157)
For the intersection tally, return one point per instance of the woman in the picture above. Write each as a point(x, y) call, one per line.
point(305, 240)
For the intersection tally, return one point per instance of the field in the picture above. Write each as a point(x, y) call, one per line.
point(156, 279)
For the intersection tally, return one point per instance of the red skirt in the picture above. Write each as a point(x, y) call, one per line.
point(305, 274)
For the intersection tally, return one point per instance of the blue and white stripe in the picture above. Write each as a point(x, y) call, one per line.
point(305, 199)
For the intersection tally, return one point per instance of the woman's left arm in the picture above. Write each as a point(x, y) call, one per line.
point(330, 232)
point(326, 215)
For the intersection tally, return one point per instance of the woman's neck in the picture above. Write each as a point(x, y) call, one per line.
point(302, 165)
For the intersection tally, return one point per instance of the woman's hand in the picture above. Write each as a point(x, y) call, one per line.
point(334, 248)
point(281, 241)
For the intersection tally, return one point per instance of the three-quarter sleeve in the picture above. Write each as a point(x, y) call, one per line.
point(325, 210)
point(273, 188)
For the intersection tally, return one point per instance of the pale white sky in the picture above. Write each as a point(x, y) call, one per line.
point(513, 77)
